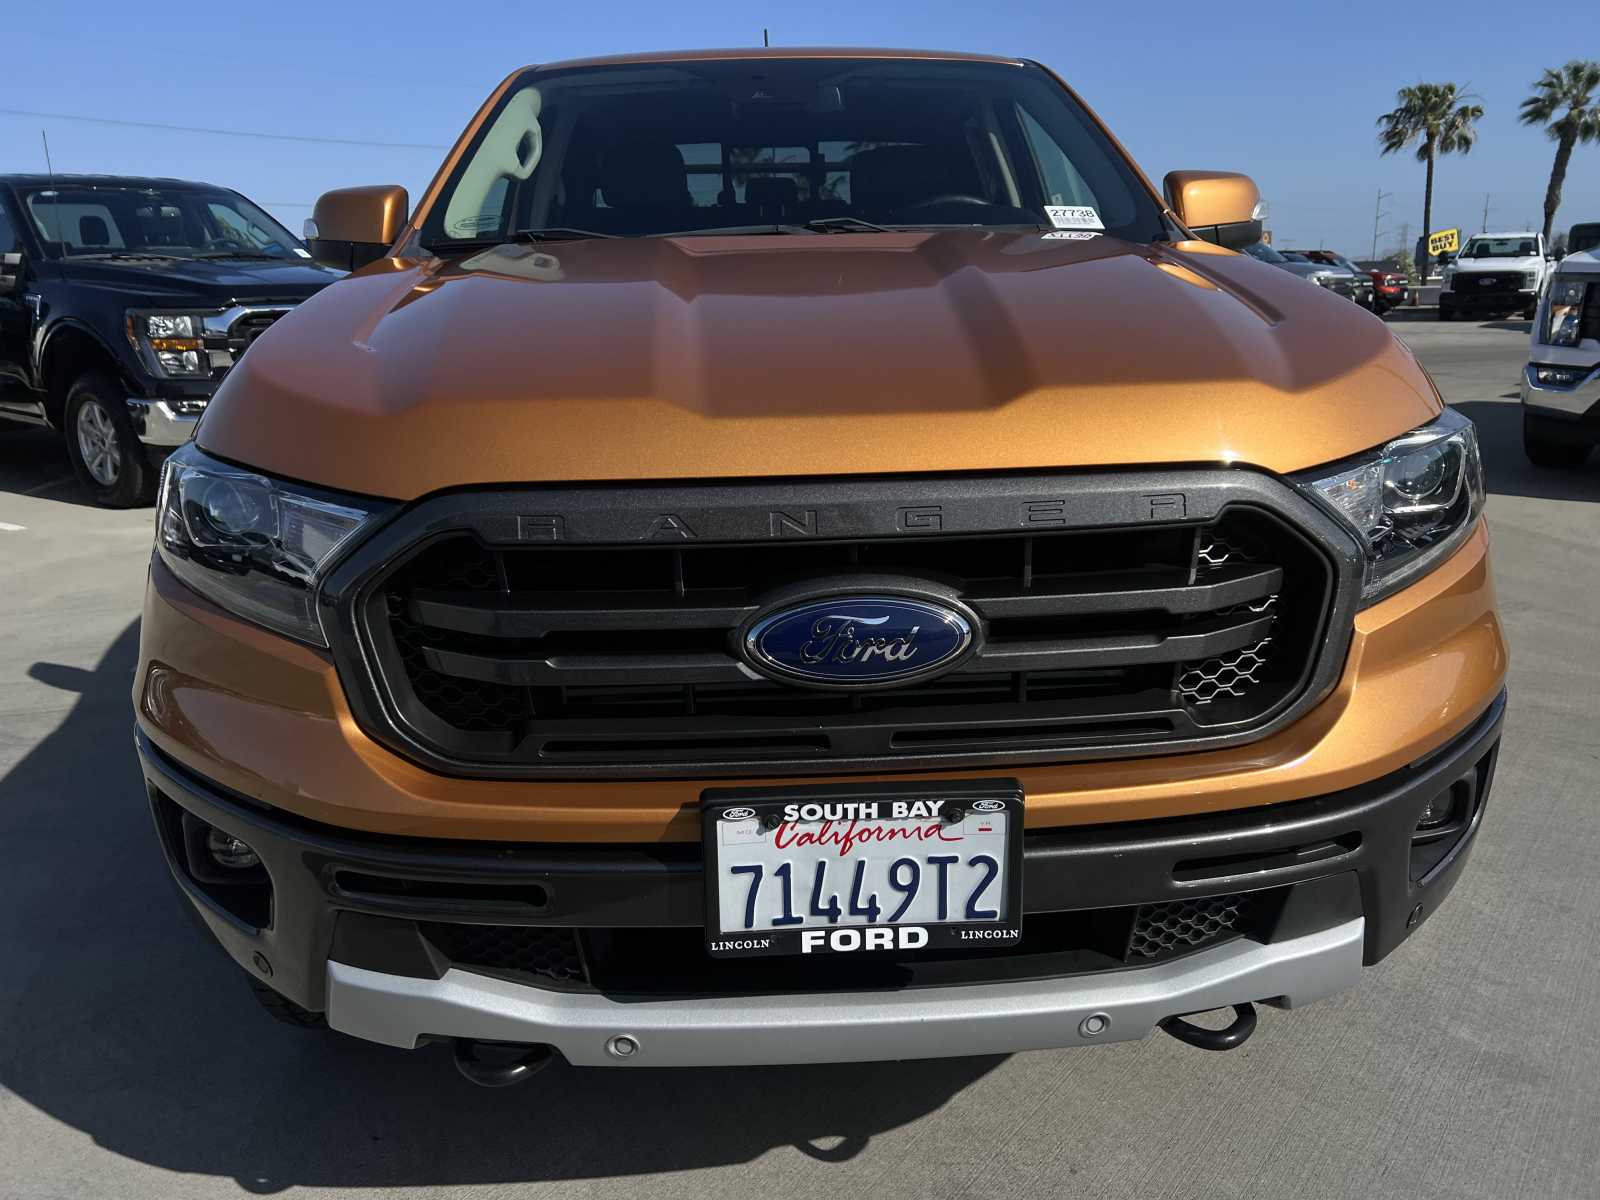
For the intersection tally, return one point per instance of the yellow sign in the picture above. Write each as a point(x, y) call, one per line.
point(1446, 241)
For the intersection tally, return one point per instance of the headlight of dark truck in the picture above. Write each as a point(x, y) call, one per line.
point(171, 344)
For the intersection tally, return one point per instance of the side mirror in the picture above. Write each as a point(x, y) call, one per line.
point(354, 226)
point(1217, 206)
point(12, 269)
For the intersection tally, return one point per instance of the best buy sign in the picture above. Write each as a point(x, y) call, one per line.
point(1446, 241)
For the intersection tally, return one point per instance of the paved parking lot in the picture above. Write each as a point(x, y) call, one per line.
point(134, 1064)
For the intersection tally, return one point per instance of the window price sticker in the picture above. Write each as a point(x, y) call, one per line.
point(1070, 216)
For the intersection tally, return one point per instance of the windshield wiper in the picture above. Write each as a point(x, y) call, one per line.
point(118, 254)
point(550, 233)
point(845, 225)
point(249, 254)
point(556, 233)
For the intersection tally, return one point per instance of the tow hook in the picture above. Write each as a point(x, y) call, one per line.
point(1231, 1038)
point(500, 1064)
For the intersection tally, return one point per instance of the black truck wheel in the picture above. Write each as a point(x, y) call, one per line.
point(106, 454)
point(1549, 452)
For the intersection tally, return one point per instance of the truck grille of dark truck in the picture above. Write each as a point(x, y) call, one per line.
point(1472, 283)
point(621, 659)
point(227, 348)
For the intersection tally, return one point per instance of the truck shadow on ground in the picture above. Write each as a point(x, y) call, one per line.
point(118, 1020)
point(33, 462)
point(1506, 468)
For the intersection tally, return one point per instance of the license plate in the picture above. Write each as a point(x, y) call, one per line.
point(889, 867)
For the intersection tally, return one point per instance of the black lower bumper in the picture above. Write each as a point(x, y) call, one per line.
point(1556, 425)
point(323, 893)
point(1489, 301)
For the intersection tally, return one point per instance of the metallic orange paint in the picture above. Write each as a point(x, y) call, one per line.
point(703, 358)
point(267, 718)
point(371, 215)
point(1203, 198)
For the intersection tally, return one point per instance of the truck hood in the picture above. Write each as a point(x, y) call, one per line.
point(742, 356)
point(1520, 262)
point(160, 282)
point(1586, 262)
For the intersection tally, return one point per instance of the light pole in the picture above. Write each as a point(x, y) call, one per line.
point(1377, 218)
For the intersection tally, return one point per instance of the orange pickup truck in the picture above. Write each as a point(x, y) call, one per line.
point(793, 556)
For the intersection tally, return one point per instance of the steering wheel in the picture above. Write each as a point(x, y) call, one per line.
point(966, 198)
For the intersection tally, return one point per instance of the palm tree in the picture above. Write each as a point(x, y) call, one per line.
point(1439, 118)
point(1573, 88)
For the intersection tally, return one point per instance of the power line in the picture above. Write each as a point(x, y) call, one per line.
point(245, 133)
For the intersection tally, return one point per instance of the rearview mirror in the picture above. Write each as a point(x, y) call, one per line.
point(1218, 206)
point(351, 227)
point(11, 272)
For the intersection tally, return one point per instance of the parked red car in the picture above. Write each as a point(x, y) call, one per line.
point(1389, 290)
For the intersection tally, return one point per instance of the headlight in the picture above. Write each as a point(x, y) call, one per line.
point(1563, 316)
point(1447, 279)
point(171, 343)
point(251, 544)
point(1530, 279)
point(1411, 502)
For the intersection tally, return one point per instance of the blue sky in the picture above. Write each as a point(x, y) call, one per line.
point(1286, 92)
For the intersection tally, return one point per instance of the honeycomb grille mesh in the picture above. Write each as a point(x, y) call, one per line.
point(550, 953)
point(1177, 925)
point(1232, 675)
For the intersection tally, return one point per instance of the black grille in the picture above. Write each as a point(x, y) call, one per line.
point(528, 950)
point(1160, 930)
point(1489, 283)
point(243, 333)
point(624, 658)
point(1589, 319)
point(226, 348)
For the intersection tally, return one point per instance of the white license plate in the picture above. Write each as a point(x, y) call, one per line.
point(887, 868)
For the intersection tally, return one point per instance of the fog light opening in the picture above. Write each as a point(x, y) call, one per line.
point(1438, 812)
point(230, 852)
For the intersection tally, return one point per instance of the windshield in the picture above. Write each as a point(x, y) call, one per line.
point(80, 220)
point(1522, 246)
point(645, 149)
point(1265, 253)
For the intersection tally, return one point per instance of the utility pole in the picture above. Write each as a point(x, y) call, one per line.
point(1377, 218)
point(1484, 228)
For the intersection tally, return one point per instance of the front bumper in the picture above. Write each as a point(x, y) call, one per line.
point(1493, 301)
point(1573, 411)
point(163, 422)
point(999, 1018)
point(1346, 880)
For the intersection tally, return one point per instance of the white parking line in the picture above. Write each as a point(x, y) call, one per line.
point(7, 527)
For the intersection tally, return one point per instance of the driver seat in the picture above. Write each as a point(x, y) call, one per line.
point(886, 179)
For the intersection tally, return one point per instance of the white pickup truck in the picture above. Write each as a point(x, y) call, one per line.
point(1496, 274)
point(1561, 383)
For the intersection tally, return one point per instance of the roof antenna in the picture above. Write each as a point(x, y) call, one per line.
point(765, 41)
point(45, 138)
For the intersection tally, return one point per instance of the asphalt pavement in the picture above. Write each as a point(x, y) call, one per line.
point(134, 1064)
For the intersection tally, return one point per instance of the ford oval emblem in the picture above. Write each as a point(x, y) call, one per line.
point(856, 641)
